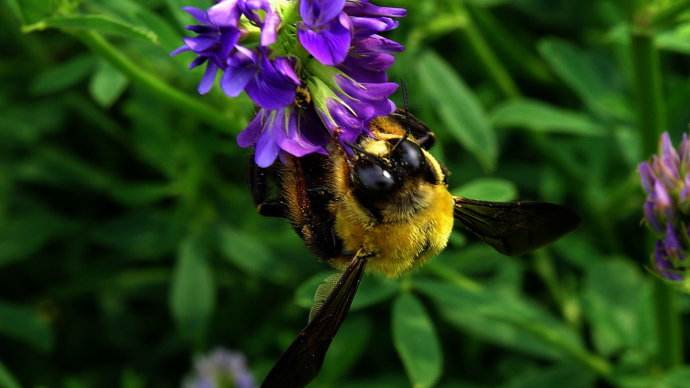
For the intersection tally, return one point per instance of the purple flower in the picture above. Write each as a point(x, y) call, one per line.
point(219, 369)
point(270, 83)
point(325, 31)
point(218, 33)
point(350, 110)
point(269, 24)
point(344, 77)
point(666, 181)
point(290, 130)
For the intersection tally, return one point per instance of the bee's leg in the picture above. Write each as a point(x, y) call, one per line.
point(258, 183)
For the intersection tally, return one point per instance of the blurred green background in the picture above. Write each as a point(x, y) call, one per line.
point(129, 244)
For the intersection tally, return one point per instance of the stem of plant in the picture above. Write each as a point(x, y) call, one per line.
point(99, 45)
point(651, 123)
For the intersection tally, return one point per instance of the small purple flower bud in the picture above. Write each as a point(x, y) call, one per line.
point(671, 244)
point(667, 205)
point(220, 368)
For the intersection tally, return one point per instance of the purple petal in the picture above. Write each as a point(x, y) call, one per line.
point(266, 150)
point(294, 142)
point(367, 26)
point(239, 72)
point(199, 14)
point(671, 243)
point(269, 32)
point(250, 135)
point(650, 216)
point(685, 151)
point(378, 43)
point(269, 88)
point(366, 91)
point(198, 61)
point(209, 77)
point(180, 50)
point(224, 14)
point(316, 13)
point(646, 176)
point(285, 68)
point(663, 265)
point(201, 42)
point(364, 8)
point(329, 46)
point(234, 82)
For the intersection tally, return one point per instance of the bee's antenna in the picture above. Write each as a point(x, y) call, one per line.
point(405, 97)
point(406, 109)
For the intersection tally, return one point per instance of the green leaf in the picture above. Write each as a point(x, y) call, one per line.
point(63, 76)
point(98, 23)
point(347, 347)
point(458, 108)
point(541, 117)
point(15, 9)
point(677, 39)
point(416, 341)
point(593, 79)
point(23, 236)
point(107, 85)
point(677, 378)
point(494, 317)
point(251, 255)
point(372, 290)
point(561, 376)
point(26, 325)
point(619, 308)
point(6, 378)
point(192, 293)
point(488, 189)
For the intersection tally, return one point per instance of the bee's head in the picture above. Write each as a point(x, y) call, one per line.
point(382, 168)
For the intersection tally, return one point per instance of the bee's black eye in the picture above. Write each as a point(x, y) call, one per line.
point(408, 157)
point(373, 178)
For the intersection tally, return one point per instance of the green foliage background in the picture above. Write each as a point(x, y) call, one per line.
point(129, 244)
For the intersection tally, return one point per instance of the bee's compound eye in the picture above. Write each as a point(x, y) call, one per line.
point(408, 156)
point(373, 178)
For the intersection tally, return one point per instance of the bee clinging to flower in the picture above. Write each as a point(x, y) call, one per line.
point(355, 177)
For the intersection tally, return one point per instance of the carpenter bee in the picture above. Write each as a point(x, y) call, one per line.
point(382, 205)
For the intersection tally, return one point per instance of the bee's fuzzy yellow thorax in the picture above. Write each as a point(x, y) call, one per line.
point(414, 226)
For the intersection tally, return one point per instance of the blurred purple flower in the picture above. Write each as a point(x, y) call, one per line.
point(666, 181)
point(220, 369)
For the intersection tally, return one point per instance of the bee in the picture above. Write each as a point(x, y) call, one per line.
point(382, 205)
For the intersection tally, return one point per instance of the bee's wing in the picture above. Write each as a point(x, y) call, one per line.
point(301, 362)
point(515, 228)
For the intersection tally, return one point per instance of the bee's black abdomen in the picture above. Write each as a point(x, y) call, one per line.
point(315, 223)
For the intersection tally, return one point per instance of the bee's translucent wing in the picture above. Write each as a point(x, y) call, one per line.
point(301, 362)
point(515, 228)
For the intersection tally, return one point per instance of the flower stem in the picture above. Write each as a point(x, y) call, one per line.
point(99, 45)
point(670, 344)
point(650, 99)
point(651, 122)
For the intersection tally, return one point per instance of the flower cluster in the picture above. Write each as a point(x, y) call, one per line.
point(666, 180)
point(316, 69)
point(220, 369)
